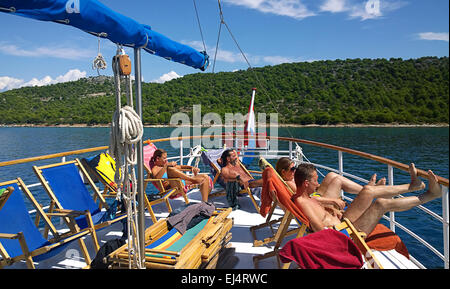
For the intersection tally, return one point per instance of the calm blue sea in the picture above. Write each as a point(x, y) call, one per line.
point(428, 148)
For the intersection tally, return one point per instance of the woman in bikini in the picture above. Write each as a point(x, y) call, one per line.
point(328, 193)
point(160, 166)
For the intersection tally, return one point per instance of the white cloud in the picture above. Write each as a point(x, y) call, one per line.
point(368, 9)
point(236, 57)
point(373, 9)
point(291, 8)
point(442, 36)
point(166, 77)
point(274, 60)
point(334, 6)
point(56, 52)
point(7, 83)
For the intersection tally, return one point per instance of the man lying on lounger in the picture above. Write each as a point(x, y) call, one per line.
point(363, 212)
point(233, 171)
point(328, 194)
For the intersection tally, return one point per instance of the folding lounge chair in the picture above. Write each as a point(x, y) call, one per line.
point(20, 238)
point(275, 193)
point(102, 167)
point(270, 197)
point(210, 158)
point(64, 185)
point(272, 180)
point(176, 186)
point(198, 247)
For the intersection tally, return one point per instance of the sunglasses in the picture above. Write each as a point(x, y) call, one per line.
point(291, 169)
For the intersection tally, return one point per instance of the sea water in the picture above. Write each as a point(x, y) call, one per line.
point(427, 147)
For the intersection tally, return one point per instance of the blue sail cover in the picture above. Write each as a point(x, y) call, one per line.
point(95, 18)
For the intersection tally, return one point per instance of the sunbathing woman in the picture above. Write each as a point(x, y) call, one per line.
point(329, 191)
point(160, 166)
point(371, 203)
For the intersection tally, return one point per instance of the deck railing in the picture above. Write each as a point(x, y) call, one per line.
point(267, 153)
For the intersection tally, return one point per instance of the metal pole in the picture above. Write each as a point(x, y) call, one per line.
point(181, 152)
point(341, 168)
point(391, 183)
point(140, 156)
point(290, 150)
point(445, 216)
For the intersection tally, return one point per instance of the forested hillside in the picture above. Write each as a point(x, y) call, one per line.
point(362, 91)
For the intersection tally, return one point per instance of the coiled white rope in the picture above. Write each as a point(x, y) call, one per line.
point(99, 62)
point(126, 131)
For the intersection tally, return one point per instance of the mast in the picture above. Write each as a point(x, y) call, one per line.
point(140, 157)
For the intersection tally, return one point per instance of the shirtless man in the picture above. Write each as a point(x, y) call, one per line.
point(232, 171)
point(328, 194)
point(363, 212)
point(159, 166)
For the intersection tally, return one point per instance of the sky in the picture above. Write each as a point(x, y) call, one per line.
point(269, 32)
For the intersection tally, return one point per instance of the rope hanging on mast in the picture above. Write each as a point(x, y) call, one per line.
point(126, 131)
point(264, 91)
point(222, 21)
point(99, 62)
point(199, 25)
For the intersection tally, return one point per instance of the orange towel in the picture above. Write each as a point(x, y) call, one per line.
point(383, 239)
point(271, 183)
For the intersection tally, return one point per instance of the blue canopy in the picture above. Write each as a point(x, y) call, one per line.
point(95, 18)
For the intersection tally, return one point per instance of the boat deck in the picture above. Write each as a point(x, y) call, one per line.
point(242, 240)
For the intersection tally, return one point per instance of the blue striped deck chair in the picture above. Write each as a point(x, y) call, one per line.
point(198, 247)
point(65, 187)
point(20, 238)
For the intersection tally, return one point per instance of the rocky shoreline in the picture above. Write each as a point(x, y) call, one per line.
point(279, 125)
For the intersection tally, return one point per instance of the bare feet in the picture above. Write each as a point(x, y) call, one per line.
point(433, 186)
point(381, 182)
point(416, 184)
point(434, 189)
point(372, 180)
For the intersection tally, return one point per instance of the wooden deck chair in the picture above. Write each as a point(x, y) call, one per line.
point(273, 181)
point(64, 185)
point(20, 238)
point(210, 158)
point(198, 248)
point(167, 187)
point(102, 167)
point(275, 193)
point(268, 213)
